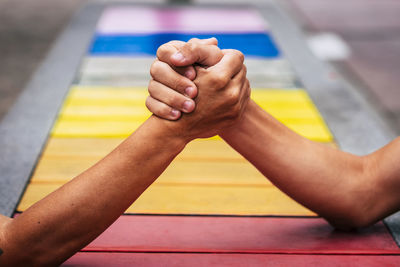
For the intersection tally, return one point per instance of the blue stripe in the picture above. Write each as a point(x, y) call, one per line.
point(251, 44)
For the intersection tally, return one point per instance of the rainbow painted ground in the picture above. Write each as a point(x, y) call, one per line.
point(106, 104)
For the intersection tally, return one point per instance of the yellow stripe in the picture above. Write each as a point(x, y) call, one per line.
point(182, 170)
point(122, 129)
point(99, 147)
point(117, 112)
point(189, 199)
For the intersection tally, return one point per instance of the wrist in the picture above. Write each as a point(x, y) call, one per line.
point(169, 131)
point(242, 122)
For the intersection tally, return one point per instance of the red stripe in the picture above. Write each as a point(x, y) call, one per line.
point(193, 260)
point(240, 235)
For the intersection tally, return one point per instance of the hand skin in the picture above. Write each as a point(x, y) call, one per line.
point(349, 191)
point(68, 219)
point(179, 77)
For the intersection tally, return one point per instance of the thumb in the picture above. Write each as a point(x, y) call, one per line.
point(197, 52)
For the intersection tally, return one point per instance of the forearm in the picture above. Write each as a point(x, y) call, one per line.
point(322, 178)
point(71, 217)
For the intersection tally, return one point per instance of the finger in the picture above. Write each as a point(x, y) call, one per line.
point(170, 97)
point(195, 52)
point(209, 41)
point(220, 75)
point(164, 53)
point(241, 75)
point(189, 71)
point(162, 110)
point(230, 64)
point(236, 85)
point(238, 92)
point(165, 74)
point(246, 92)
point(245, 88)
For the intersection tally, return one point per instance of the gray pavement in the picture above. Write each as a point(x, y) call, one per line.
point(370, 27)
point(27, 30)
point(372, 30)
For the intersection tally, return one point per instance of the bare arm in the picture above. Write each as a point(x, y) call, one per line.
point(68, 219)
point(71, 217)
point(348, 190)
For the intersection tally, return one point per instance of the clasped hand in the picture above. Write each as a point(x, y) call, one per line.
point(199, 79)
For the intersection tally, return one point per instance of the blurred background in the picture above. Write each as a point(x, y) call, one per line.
point(361, 38)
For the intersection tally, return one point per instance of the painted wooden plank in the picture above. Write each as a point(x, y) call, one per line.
point(201, 149)
point(183, 170)
point(196, 199)
point(122, 129)
point(240, 234)
point(76, 111)
point(97, 96)
point(260, 44)
point(134, 71)
point(109, 92)
point(115, 71)
point(134, 98)
point(106, 92)
point(140, 114)
point(106, 259)
point(128, 19)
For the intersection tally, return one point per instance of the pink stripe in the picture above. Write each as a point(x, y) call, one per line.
point(120, 20)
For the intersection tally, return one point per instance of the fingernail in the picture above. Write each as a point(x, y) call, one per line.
point(187, 106)
point(175, 113)
point(189, 74)
point(178, 56)
point(189, 91)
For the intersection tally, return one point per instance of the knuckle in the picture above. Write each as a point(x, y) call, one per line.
point(191, 45)
point(244, 70)
point(187, 48)
point(163, 49)
point(180, 83)
point(174, 100)
point(194, 40)
point(148, 103)
point(162, 110)
point(155, 68)
point(159, 109)
point(239, 56)
point(248, 89)
point(219, 80)
point(233, 97)
point(150, 88)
